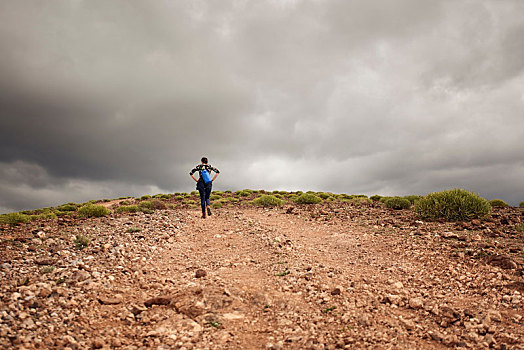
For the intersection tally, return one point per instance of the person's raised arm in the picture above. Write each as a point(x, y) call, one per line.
point(193, 176)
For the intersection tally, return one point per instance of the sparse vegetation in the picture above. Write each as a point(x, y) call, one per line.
point(498, 203)
point(133, 229)
point(268, 201)
point(67, 207)
point(452, 205)
point(214, 197)
point(216, 205)
point(93, 210)
point(82, 241)
point(47, 269)
point(375, 198)
point(397, 203)
point(14, 218)
point(127, 209)
point(519, 227)
point(308, 198)
point(145, 197)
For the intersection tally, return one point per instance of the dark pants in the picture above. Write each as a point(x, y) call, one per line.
point(205, 192)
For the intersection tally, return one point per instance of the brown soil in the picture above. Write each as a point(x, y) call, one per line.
point(300, 277)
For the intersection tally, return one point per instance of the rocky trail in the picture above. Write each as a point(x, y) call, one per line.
point(323, 276)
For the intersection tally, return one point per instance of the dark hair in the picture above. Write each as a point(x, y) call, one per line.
point(204, 160)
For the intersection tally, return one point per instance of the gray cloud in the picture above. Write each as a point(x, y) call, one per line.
point(102, 99)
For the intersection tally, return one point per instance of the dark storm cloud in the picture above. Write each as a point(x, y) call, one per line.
point(109, 98)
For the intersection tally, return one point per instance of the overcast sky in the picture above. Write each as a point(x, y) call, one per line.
point(101, 99)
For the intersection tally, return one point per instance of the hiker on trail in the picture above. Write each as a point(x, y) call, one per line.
point(204, 183)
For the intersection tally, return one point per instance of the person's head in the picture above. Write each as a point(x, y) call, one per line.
point(204, 160)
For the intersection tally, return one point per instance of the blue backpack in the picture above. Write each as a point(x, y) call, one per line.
point(205, 176)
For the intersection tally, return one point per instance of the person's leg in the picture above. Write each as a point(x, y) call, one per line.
point(208, 194)
point(202, 192)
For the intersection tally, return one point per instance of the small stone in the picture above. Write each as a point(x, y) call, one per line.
point(200, 273)
point(233, 316)
point(416, 303)
point(44, 261)
point(117, 299)
point(495, 315)
point(97, 343)
point(336, 291)
point(44, 292)
point(162, 300)
point(398, 285)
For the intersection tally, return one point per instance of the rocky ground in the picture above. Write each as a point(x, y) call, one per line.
point(325, 276)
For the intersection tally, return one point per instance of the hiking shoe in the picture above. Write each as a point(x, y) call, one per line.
point(203, 215)
point(208, 211)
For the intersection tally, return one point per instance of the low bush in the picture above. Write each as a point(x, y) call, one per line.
point(46, 215)
point(216, 205)
point(384, 199)
point(498, 203)
point(14, 218)
point(158, 205)
point(194, 193)
point(519, 227)
point(324, 195)
point(521, 204)
point(243, 193)
point(145, 205)
point(127, 209)
point(412, 198)
point(93, 210)
point(214, 197)
point(397, 203)
point(268, 201)
point(82, 241)
point(145, 197)
point(452, 205)
point(308, 198)
point(375, 198)
point(360, 201)
point(67, 207)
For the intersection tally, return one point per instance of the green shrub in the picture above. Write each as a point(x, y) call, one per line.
point(268, 201)
point(397, 203)
point(124, 203)
point(14, 218)
point(521, 204)
point(498, 203)
point(82, 241)
point(214, 197)
point(384, 199)
point(189, 201)
point(308, 198)
point(145, 205)
point(127, 209)
point(412, 198)
point(243, 193)
point(133, 229)
point(46, 215)
point(144, 197)
point(452, 205)
point(216, 205)
point(375, 198)
point(67, 207)
point(194, 193)
point(93, 210)
point(228, 191)
point(519, 227)
point(360, 201)
point(324, 195)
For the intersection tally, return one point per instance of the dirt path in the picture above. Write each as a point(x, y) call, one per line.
point(248, 278)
